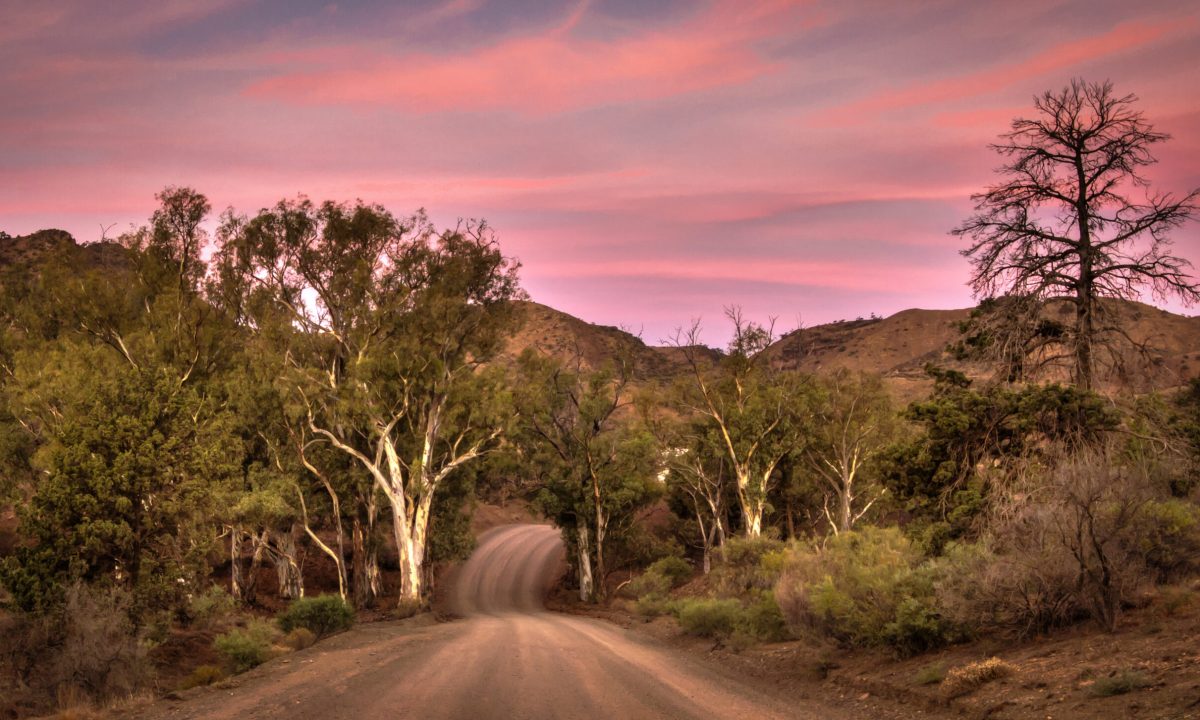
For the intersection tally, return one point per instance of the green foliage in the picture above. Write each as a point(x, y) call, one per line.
point(749, 566)
point(674, 569)
point(931, 674)
point(1121, 683)
point(243, 649)
point(709, 617)
point(762, 620)
point(1167, 536)
point(865, 587)
point(130, 478)
point(971, 438)
point(211, 607)
point(323, 615)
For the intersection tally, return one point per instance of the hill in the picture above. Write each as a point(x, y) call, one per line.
point(897, 347)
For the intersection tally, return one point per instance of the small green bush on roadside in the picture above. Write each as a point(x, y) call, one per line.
point(762, 621)
point(300, 638)
point(322, 615)
point(709, 617)
point(246, 648)
point(865, 588)
point(1119, 684)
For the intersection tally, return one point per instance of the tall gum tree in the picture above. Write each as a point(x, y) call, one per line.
point(387, 324)
point(753, 414)
point(1074, 217)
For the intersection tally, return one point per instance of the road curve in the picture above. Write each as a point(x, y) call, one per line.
point(506, 658)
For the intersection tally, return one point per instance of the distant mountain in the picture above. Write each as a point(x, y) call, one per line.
point(25, 251)
point(897, 347)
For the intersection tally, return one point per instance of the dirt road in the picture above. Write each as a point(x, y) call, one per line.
point(507, 658)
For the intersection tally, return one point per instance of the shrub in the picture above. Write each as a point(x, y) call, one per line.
point(211, 607)
point(930, 674)
point(203, 675)
point(749, 566)
point(675, 570)
point(300, 638)
point(1167, 536)
point(100, 652)
point(967, 678)
point(243, 649)
point(1119, 684)
point(709, 617)
point(649, 583)
point(653, 605)
point(322, 615)
point(1029, 589)
point(763, 621)
point(863, 588)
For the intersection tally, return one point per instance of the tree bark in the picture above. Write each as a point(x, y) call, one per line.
point(583, 547)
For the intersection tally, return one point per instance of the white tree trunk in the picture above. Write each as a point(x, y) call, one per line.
point(583, 546)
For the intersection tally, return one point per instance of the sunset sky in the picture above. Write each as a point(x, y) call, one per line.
point(648, 162)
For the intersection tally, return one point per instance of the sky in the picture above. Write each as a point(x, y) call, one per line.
point(649, 162)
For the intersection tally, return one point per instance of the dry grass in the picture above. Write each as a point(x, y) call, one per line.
point(967, 678)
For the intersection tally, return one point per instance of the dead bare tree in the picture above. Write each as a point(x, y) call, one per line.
point(1074, 217)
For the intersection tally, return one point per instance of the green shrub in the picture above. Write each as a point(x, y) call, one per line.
point(203, 675)
point(675, 570)
point(653, 605)
point(211, 607)
point(649, 583)
point(930, 674)
point(323, 615)
point(866, 587)
point(749, 566)
point(709, 617)
point(1167, 536)
point(1119, 684)
point(763, 621)
point(243, 649)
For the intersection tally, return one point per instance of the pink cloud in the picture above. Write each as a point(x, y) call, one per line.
point(849, 275)
point(544, 73)
point(1123, 37)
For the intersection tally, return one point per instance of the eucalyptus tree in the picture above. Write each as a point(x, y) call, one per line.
point(1073, 217)
point(752, 413)
point(853, 424)
point(384, 324)
point(578, 433)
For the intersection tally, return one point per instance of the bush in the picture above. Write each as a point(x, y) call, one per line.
point(648, 584)
point(243, 649)
point(930, 674)
point(763, 621)
point(1119, 684)
point(1167, 536)
point(709, 617)
point(749, 566)
point(322, 615)
point(203, 675)
point(967, 678)
point(300, 638)
point(211, 608)
point(863, 588)
point(100, 652)
point(675, 570)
